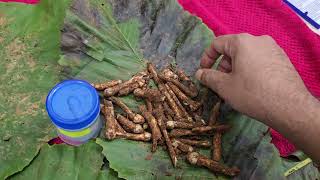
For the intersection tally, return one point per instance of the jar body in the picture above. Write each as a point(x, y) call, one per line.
point(81, 136)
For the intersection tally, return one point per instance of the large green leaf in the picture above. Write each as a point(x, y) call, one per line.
point(29, 49)
point(66, 162)
point(137, 162)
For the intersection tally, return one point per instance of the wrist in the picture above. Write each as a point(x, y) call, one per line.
point(292, 111)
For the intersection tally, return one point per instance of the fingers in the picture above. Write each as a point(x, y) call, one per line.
point(216, 80)
point(226, 64)
point(229, 44)
point(209, 57)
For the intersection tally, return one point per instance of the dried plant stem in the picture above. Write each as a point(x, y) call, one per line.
point(108, 112)
point(136, 137)
point(153, 125)
point(136, 118)
point(207, 129)
point(193, 105)
point(139, 79)
point(149, 105)
point(164, 91)
point(213, 118)
point(149, 94)
point(184, 88)
point(197, 143)
point(180, 125)
point(129, 125)
point(182, 146)
point(169, 73)
point(186, 80)
point(217, 149)
point(200, 160)
point(181, 132)
point(160, 117)
point(182, 110)
point(216, 139)
point(105, 85)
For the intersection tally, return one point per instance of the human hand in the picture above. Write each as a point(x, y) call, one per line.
point(255, 75)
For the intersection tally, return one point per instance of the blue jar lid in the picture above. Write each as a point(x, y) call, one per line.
point(73, 104)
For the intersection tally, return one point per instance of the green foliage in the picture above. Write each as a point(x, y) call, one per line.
point(67, 163)
point(137, 162)
point(29, 49)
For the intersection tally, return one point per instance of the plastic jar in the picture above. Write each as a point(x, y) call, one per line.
point(73, 107)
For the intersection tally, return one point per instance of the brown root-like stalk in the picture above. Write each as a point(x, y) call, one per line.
point(207, 129)
point(193, 105)
point(129, 125)
point(139, 79)
point(167, 109)
point(181, 132)
point(164, 91)
point(197, 159)
point(213, 118)
point(154, 74)
point(182, 110)
point(217, 149)
point(136, 137)
point(105, 85)
point(175, 108)
point(216, 140)
point(138, 83)
point(169, 73)
point(198, 120)
point(182, 146)
point(197, 143)
point(186, 80)
point(159, 114)
point(153, 125)
point(149, 105)
point(136, 118)
point(108, 112)
point(180, 125)
point(181, 86)
point(153, 95)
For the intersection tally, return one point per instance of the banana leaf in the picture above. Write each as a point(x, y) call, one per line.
point(67, 162)
point(102, 40)
point(29, 49)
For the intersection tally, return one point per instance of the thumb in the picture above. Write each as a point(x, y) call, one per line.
point(216, 80)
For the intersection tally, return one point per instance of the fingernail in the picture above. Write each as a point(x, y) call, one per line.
point(199, 74)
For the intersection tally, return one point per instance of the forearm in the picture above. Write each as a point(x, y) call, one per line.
point(297, 117)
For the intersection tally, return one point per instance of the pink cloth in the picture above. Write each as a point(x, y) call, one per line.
point(22, 1)
point(54, 141)
point(266, 17)
point(283, 145)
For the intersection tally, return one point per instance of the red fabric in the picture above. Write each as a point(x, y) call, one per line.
point(22, 1)
point(56, 140)
point(266, 17)
point(283, 145)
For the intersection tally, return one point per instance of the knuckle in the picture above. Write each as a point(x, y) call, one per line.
point(204, 78)
point(241, 38)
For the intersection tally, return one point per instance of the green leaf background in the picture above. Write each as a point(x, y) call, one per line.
point(98, 40)
point(29, 50)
